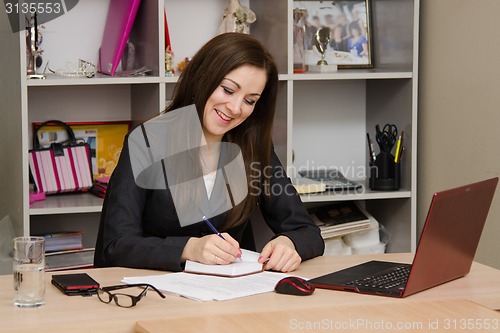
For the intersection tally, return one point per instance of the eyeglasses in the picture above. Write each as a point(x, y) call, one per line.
point(124, 300)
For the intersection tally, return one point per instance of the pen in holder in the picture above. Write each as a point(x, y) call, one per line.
point(385, 173)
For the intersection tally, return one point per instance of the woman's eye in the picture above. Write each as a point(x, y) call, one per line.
point(230, 91)
point(227, 90)
point(250, 102)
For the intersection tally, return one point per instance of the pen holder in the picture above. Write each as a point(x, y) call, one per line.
point(385, 174)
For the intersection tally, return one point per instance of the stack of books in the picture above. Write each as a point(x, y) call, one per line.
point(100, 186)
point(63, 260)
point(64, 250)
point(339, 219)
point(62, 241)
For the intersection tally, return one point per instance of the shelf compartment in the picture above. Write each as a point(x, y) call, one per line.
point(351, 75)
point(365, 195)
point(100, 79)
point(70, 203)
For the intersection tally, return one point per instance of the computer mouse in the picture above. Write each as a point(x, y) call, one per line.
point(293, 285)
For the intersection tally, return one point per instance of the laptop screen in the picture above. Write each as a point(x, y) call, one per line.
point(451, 235)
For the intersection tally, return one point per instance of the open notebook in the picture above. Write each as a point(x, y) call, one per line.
point(248, 265)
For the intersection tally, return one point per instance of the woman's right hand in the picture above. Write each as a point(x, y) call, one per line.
point(212, 250)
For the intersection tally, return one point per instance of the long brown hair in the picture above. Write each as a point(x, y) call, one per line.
point(203, 74)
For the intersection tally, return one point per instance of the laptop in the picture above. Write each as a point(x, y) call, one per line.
point(445, 251)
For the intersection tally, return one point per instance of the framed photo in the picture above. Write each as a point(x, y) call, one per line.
point(350, 42)
point(104, 137)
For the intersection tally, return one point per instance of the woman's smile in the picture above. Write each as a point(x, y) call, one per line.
point(224, 118)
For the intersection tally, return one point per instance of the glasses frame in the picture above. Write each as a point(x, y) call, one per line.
point(135, 299)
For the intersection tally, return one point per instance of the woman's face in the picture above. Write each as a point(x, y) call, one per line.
point(337, 33)
point(232, 101)
point(355, 32)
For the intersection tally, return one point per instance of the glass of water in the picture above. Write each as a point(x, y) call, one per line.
point(29, 271)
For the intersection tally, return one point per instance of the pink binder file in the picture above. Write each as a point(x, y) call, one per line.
point(119, 21)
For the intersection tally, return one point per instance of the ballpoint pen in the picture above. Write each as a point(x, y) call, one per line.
point(212, 227)
point(217, 232)
point(370, 148)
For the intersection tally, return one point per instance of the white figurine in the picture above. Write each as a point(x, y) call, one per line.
point(236, 18)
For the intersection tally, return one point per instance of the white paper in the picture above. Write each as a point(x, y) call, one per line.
point(248, 264)
point(207, 287)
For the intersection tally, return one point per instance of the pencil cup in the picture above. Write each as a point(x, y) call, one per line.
point(29, 271)
point(385, 174)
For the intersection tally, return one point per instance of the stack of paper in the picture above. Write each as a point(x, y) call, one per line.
point(305, 185)
point(215, 282)
point(208, 287)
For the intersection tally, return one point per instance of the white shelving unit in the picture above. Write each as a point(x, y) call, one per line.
point(321, 118)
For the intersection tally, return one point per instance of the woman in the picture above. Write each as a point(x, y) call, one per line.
point(233, 82)
point(338, 42)
point(357, 41)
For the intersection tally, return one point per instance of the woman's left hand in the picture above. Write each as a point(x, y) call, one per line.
point(280, 255)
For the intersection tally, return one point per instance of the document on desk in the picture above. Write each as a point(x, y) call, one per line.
point(248, 264)
point(207, 287)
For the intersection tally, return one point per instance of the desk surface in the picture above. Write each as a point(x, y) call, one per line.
point(456, 315)
point(82, 314)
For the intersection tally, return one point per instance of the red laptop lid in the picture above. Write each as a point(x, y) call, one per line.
point(451, 235)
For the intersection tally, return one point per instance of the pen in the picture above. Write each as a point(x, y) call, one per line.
point(212, 227)
point(399, 147)
point(217, 232)
point(370, 148)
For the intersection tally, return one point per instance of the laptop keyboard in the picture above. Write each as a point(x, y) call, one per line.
point(395, 277)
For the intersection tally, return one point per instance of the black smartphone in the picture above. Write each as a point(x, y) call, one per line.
point(75, 284)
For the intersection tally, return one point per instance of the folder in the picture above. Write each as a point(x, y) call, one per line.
point(119, 21)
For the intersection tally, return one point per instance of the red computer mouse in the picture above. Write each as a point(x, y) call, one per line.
point(293, 285)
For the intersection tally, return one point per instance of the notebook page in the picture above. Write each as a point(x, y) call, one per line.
point(247, 265)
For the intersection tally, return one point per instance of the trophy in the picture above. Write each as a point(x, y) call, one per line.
point(32, 51)
point(321, 40)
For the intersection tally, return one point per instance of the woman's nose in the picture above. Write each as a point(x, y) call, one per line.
point(234, 104)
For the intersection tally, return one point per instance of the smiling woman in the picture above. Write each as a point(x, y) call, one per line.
point(233, 101)
point(232, 82)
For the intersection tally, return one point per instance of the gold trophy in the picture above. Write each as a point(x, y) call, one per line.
point(321, 41)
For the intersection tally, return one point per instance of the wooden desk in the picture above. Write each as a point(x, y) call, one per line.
point(414, 316)
point(87, 314)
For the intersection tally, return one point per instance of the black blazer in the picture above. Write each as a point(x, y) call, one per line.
point(139, 228)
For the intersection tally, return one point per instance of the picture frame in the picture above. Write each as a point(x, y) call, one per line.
point(104, 137)
point(351, 42)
